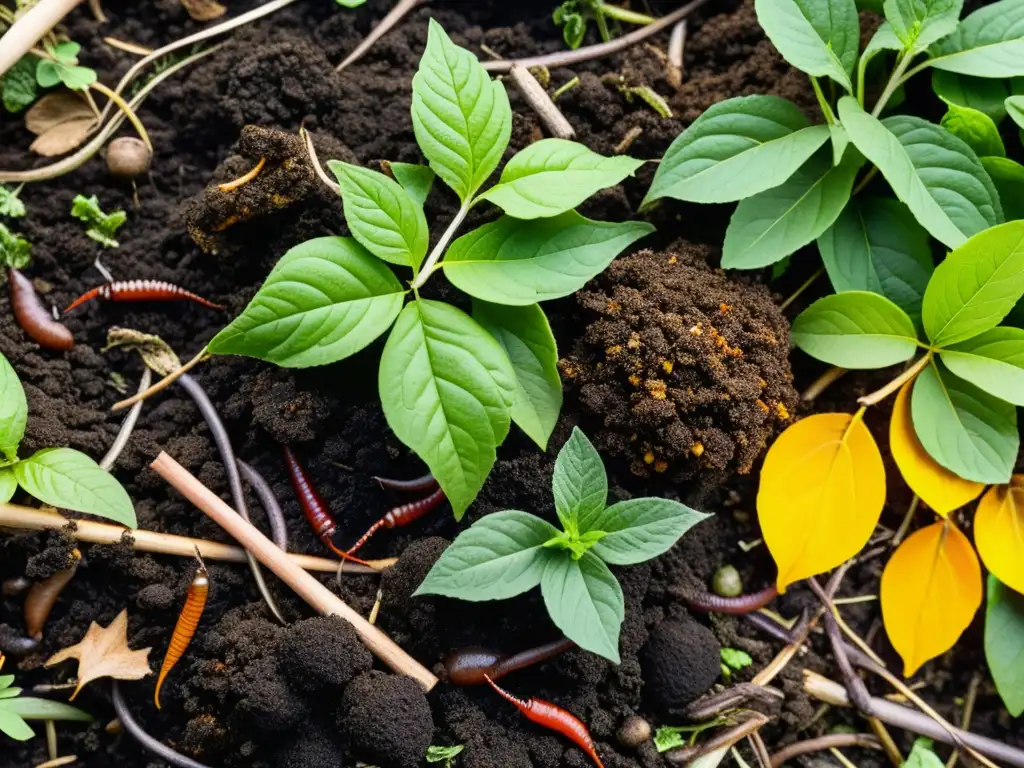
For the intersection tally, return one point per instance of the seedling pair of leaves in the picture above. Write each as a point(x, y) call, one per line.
point(15, 709)
point(100, 226)
point(795, 182)
point(507, 553)
point(573, 16)
point(60, 477)
point(15, 251)
point(450, 383)
point(20, 86)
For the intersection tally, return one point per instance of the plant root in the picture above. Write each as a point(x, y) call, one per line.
point(243, 179)
point(828, 741)
point(395, 15)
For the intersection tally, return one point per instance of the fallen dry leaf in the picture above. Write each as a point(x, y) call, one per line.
point(104, 652)
point(63, 137)
point(156, 353)
point(56, 108)
point(203, 10)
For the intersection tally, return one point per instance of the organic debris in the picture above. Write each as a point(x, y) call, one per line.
point(104, 652)
point(203, 10)
point(61, 121)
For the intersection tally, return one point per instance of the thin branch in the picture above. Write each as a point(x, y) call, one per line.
point(823, 382)
point(880, 394)
point(30, 28)
point(821, 743)
point(799, 291)
point(968, 713)
point(905, 525)
point(165, 382)
point(760, 749)
point(395, 15)
point(724, 738)
point(538, 99)
point(854, 685)
point(127, 425)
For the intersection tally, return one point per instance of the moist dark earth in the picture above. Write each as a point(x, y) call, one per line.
point(250, 692)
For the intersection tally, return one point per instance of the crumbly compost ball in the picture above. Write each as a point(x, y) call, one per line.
point(680, 661)
point(321, 652)
point(685, 369)
point(313, 748)
point(387, 719)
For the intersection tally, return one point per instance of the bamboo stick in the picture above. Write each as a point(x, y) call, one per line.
point(28, 30)
point(308, 588)
point(28, 519)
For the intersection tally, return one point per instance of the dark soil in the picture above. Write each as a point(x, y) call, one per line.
point(249, 692)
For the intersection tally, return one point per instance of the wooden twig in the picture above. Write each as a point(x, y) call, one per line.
point(823, 382)
point(676, 49)
point(395, 15)
point(591, 52)
point(821, 743)
point(724, 738)
point(535, 95)
point(28, 30)
point(308, 588)
point(28, 519)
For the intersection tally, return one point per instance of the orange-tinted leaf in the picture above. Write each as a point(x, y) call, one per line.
point(999, 532)
point(931, 589)
point(822, 491)
point(937, 487)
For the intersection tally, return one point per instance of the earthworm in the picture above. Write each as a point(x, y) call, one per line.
point(473, 666)
point(710, 603)
point(278, 529)
point(227, 457)
point(35, 318)
point(554, 717)
point(314, 507)
point(423, 483)
point(14, 645)
point(127, 425)
point(141, 290)
point(42, 596)
point(185, 628)
point(402, 515)
point(148, 742)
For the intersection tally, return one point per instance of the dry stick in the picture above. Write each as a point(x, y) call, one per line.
point(395, 15)
point(138, 733)
point(315, 162)
point(760, 749)
point(858, 691)
point(892, 750)
point(591, 52)
point(823, 382)
point(897, 715)
point(165, 382)
point(28, 30)
point(28, 519)
point(677, 45)
point(821, 743)
point(724, 738)
point(308, 588)
point(127, 425)
point(123, 45)
point(968, 713)
point(538, 99)
point(905, 525)
point(803, 287)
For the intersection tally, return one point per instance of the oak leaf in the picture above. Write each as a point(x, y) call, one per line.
point(104, 652)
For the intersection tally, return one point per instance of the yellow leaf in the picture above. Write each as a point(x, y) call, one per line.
point(937, 487)
point(104, 652)
point(822, 491)
point(931, 589)
point(999, 532)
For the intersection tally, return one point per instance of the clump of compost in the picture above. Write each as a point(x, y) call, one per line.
point(685, 370)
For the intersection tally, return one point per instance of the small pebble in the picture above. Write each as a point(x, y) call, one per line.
point(633, 732)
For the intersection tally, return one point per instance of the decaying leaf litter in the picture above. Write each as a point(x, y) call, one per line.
point(256, 410)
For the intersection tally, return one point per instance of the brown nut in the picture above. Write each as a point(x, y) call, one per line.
point(128, 157)
point(633, 732)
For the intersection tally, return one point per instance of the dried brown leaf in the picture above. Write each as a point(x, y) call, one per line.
point(63, 137)
point(204, 10)
point(104, 652)
point(56, 108)
point(156, 353)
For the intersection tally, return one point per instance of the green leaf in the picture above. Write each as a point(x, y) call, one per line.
point(13, 411)
point(382, 216)
point(993, 361)
point(447, 389)
point(76, 78)
point(515, 262)
point(15, 251)
point(976, 129)
point(922, 756)
point(735, 659)
point(32, 708)
point(966, 430)
point(10, 204)
point(525, 335)
point(877, 245)
point(840, 141)
point(101, 226)
point(934, 173)
point(737, 148)
point(1004, 643)
point(500, 556)
point(462, 118)
point(444, 755)
point(8, 484)
point(982, 94)
point(585, 602)
point(819, 37)
point(19, 85)
point(66, 52)
point(63, 477)
point(1015, 109)
point(6, 681)
point(641, 529)
point(552, 176)
point(884, 39)
point(326, 299)
point(856, 329)
point(350, 3)
point(1008, 177)
point(975, 287)
point(919, 23)
point(579, 484)
point(14, 726)
point(417, 180)
point(988, 43)
point(773, 224)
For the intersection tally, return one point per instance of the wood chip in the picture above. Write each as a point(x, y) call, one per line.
point(63, 137)
point(56, 108)
point(204, 10)
point(104, 652)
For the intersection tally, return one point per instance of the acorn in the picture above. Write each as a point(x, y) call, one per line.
point(128, 157)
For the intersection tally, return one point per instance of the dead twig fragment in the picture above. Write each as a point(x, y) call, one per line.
point(828, 741)
point(724, 738)
point(30, 28)
point(823, 382)
point(676, 51)
point(127, 47)
point(395, 15)
point(632, 135)
point(535, 95)
point(203, 10)
point(97, 11)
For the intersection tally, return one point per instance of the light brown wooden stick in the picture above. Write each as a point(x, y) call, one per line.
point(30, 29)
point(538, 99)
point(28, 519)
point(308, 588)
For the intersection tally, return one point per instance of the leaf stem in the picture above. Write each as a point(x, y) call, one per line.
point(879, 395)
point(806, 284)
point(626, 15)
point(164, 382)
point(895, 81)
point(826, 108)
point(440, 247)
point(128, 112)
point(865, 180)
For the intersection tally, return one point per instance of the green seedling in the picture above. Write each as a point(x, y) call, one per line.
point(444, 755)
point(574, 15)
point(20, 86)
point(15, 709)
point(669, 737)
point(100, 226)
point(507, 553)
point(11, 205)
point(15, 251)
point(734, 660)
point(923, 756)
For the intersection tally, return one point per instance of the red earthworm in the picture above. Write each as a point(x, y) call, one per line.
point(141, 290)
point(33, 317)
point(416, 484)
point(554, 717)
point(472, 666)
point(402, 515)
point(314, 507)
point(185, 628)
point(710, 603)
point(42, 596)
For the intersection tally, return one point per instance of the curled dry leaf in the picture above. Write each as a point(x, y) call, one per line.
point(61, 121)
point(203, 10)
point(104, 652)
point(999, 532)
point(156, 353)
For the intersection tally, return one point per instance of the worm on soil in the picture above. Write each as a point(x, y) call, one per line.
point(34, 317)
point(42, 596)
point(472, 666)
point(127, 425)
point(131, 725)
point(185, 628)
point(711, 603)
point(278, 530)
point(416, 484)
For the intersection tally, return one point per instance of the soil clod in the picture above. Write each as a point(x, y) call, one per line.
point(321, 652)
point(680, 661)
point(387, 719)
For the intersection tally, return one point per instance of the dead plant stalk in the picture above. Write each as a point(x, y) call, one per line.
point(30, 29)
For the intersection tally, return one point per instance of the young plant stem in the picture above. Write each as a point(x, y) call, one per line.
point(127, 111)
point(395, 15)
point(535, 95)
point(725, 738)
point(28, 30)
point(122, 45)
point(315, 162)
point(308, 588)
point(821, 743)
point(865, 180)
point(880, 394)
point(968, 712)
point(147, 742)
point(435, 255)
point(165, 382)
point(823, 382)
point(806, 284)
point(826, 108)
point(895, 81)
point(624, 14)
point(110, 458)
point(905, 525)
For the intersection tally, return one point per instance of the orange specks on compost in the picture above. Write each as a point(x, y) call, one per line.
point(666, 366)
point(697, 449)
point(649, 457)
point(763, 405)
point(634, 380)
point(634, 341)
point(613, 306)
point(656, 389)
point(782, 411)
point(613, 350)
point(660, 465)
point(724, 308)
